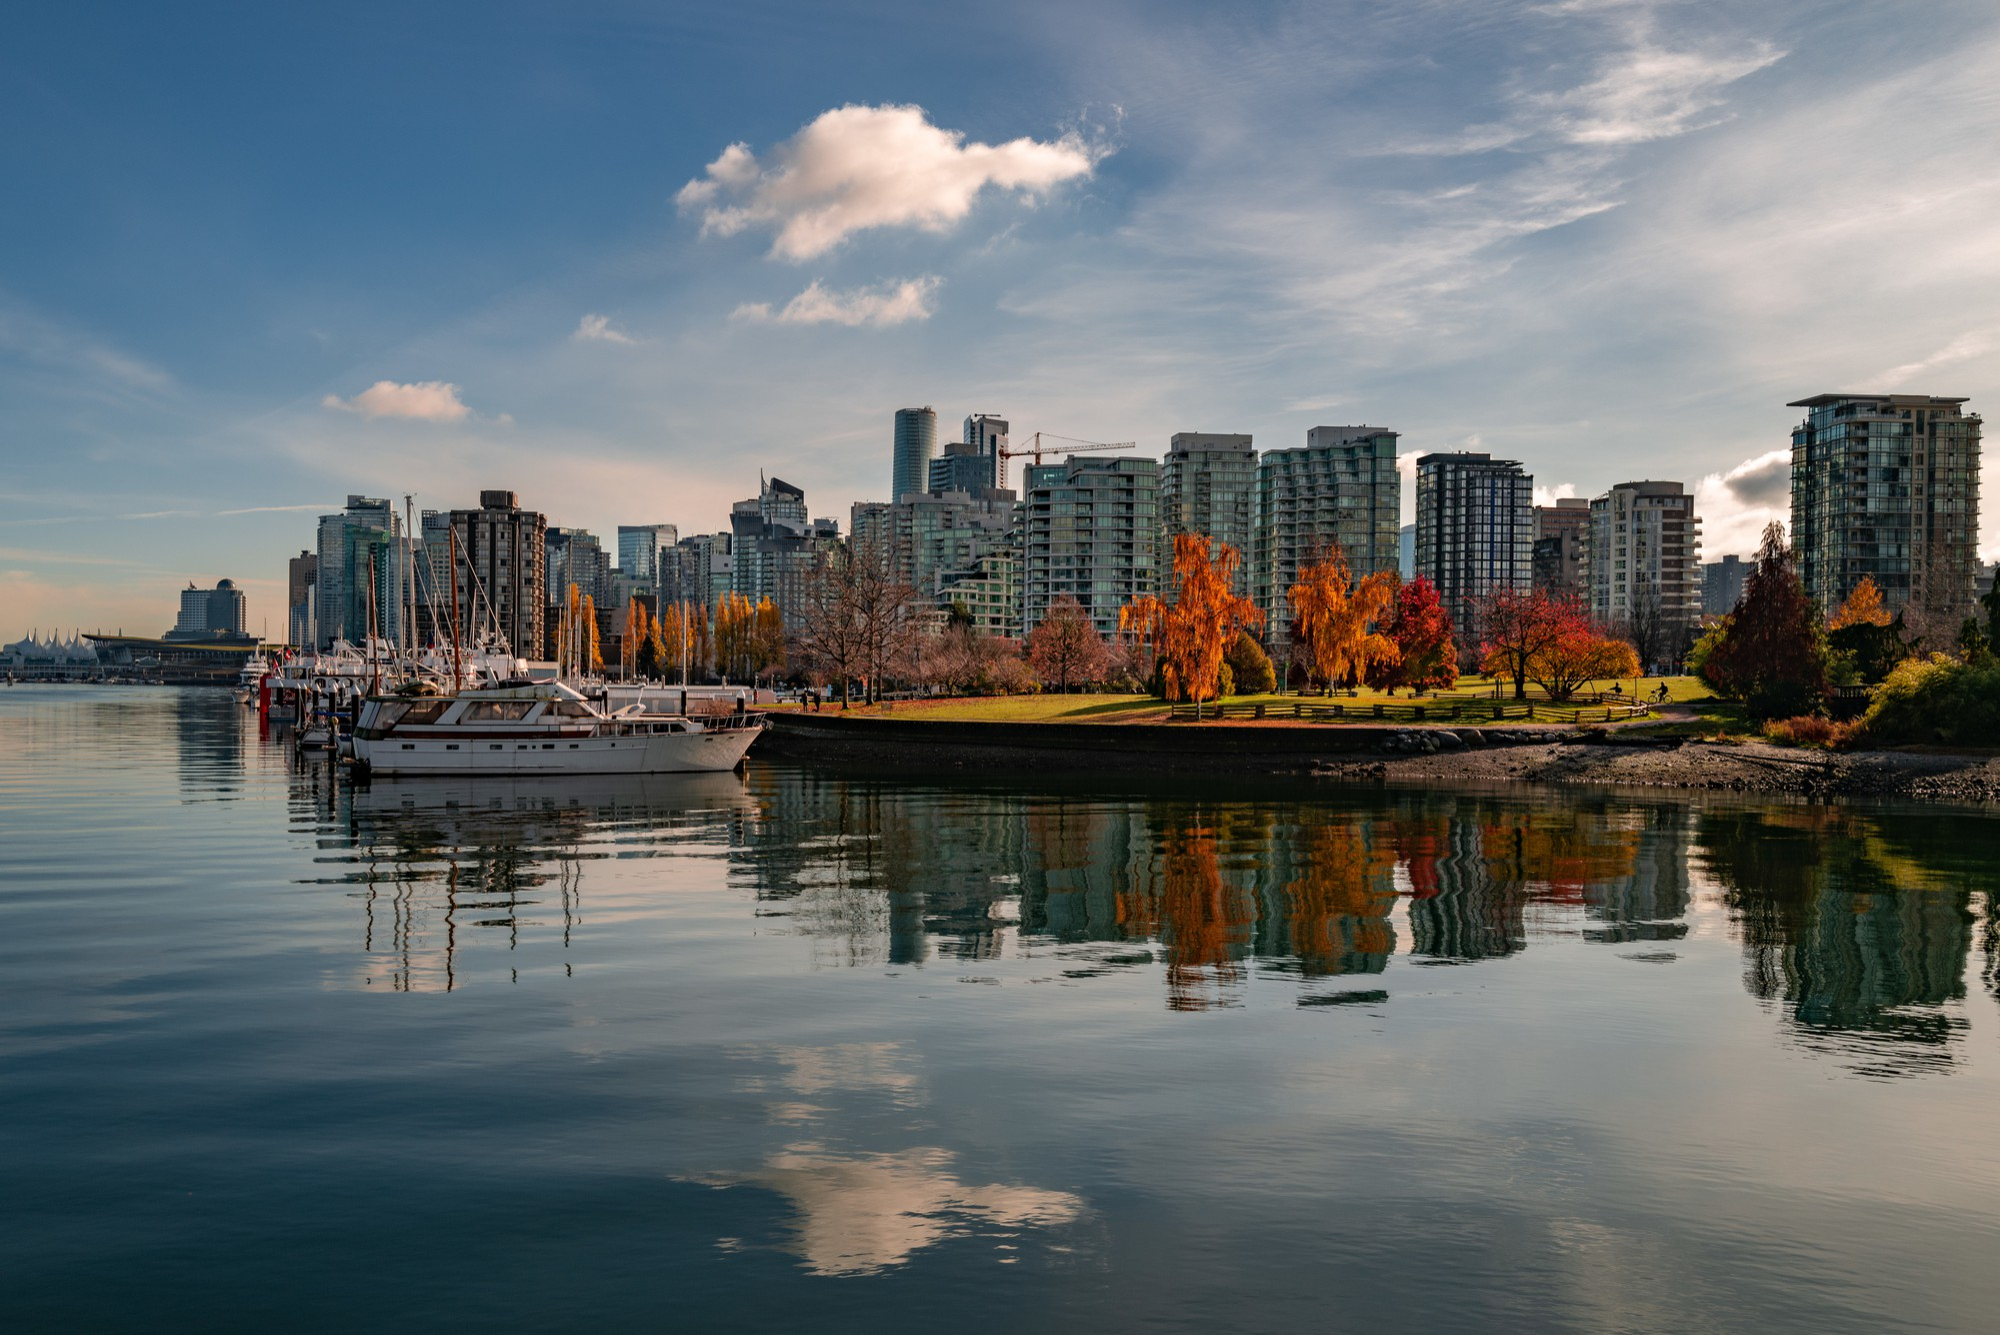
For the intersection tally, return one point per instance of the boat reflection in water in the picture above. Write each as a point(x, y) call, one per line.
point(1859, 938)
point(437, 859)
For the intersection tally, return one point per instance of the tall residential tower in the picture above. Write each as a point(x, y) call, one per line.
point(1091, 530)
point(1208, 485)
point(1886, 487)
point(1341, 490)
point(1475, 532)
point(915, 445)
point(1643, 548)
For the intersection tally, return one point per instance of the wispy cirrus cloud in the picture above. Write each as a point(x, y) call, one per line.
point(36, 521)
point(422, 401)
point(1964, 348)
point(889, 303)
point(56, 346)
point(856, 168)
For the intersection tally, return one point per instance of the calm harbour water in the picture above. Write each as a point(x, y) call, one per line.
point(811, 1049)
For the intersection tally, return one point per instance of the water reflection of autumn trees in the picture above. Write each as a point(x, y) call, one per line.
point(1861, 937)
point(1860, 933)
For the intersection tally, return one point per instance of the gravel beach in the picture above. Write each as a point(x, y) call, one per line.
point(1735, 767)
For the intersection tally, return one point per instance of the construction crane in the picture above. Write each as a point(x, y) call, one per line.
point(1034, 449)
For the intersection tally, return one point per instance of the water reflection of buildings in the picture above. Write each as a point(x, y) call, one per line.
point(876, 872)
point(1862, 941)
point(1459, 913)
point(209, 733)
point(439, 864)
point(1212, 890)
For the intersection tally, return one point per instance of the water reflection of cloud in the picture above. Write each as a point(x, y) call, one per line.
point(860, 1211)
point(860, 1214)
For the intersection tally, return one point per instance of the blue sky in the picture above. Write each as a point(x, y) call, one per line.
point(254, 257)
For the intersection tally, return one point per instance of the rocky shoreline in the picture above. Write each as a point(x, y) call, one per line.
point(1743, 767)
point(1606, 757)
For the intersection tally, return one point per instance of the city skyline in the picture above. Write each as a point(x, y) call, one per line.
point(1592, 238)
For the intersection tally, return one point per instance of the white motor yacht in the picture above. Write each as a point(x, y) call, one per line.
point(520, 727)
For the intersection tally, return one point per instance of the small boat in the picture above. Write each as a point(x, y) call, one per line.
point(522, 727)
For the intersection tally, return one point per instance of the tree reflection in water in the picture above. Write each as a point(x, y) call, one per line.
point(1862, 939)
point(1859, 934)
point(1202, 922)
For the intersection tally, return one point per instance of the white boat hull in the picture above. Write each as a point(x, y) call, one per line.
point(657, 753)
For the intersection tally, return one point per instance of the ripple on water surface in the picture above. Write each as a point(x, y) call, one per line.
point(806, 1046)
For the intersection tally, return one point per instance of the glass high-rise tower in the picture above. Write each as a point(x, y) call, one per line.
point(1886, 487)
point(1341, 490)
point(1208, 485)
point(1475, 533)
point(915, 445)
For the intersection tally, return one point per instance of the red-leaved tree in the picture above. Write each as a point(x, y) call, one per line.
point(1518, 626)
point(1065, 648)
point(1578, 654)
point(1421, 629)
point(1772, 651)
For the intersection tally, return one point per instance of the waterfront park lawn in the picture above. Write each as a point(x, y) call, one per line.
point(1097, 707)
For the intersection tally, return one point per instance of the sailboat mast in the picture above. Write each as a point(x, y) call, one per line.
point(457, 659)
point(374, 674)
point(406, 588)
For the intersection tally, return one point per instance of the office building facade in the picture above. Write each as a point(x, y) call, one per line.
point(1475, 533)
point(219, 613)
point(775, 547)
point(696, 570)
point(1886, 487)
point(639, 548)
point(1560, 533)
point(301, 586)
point(1340, 490)
point(972, 463)
point(936, 541)
point(362, 543)
point(1722, 585)
point(1090, 530)
point(576, 556)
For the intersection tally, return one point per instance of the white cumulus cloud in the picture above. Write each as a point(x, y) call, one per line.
point(1562, 491)
point(599, 329)
point(424, 401)
point(859, 167)
point(886, 304)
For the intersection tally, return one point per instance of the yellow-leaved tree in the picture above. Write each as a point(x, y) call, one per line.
point(635, 636)
point(1334, 620)
point(594, 652)
point(734, 618)
point(1191, 634)
point(767, 639)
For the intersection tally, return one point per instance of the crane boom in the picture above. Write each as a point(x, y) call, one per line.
point(1034, 449)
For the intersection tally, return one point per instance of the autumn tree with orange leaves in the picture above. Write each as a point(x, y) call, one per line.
point(1862, 608)
point(1336, 621)
point(1191, 634)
